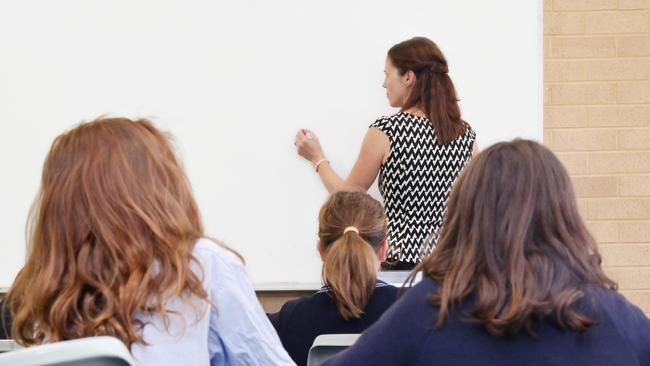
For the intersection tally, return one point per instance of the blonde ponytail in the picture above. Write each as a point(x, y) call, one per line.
point(352, 228)
point(350, 272)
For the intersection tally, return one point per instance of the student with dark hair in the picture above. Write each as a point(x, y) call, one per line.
point(418, 152)
point(516, 279)
point(5, 321)
point(352, 243)
point(117, 248)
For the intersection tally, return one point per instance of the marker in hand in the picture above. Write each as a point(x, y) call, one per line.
point(306, 133)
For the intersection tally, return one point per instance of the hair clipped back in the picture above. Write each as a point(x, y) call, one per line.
point(433, 90)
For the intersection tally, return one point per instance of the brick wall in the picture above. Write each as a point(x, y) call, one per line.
point(597, 119)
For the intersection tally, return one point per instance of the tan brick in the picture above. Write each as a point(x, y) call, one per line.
point(548, 5)
point(599, 186)
point(635, 232)
point(634, 92)
point(548, 139)
point(574, 163)
point(572, 94)
point(639, 298)
point(582, 208)
point(625, 254)
point(565, 116)
point(596, 70)
point(634, 185)
point(603, 116)
point(604, 232)
point(634, 69)
point(634, 115)
point(584, 140)
point(564, 5)
point(636, 139)
point(634, 46)
point(583, 47)
point(630, 278)
point(581, 70)
point(547, 47)
point(616, 22)
point(618, 208)
point(564, 23)
point(617, 116)
point(618, 162)
point(552, 70)
point(634, 4)
point(547, 95)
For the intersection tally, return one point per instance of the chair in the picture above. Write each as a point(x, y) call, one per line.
point(93, 351)
point(7, 345)
point(327, 345)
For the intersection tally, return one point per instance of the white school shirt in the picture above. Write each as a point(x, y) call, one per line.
point(236, 332)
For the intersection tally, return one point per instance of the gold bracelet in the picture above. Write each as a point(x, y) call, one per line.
point(319, 163)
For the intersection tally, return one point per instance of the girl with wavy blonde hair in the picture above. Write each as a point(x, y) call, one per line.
point(116, 247)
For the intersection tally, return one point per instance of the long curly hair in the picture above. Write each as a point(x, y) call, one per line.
point(110, 234)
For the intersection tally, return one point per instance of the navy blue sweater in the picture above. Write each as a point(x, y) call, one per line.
point(406, 335)
point(5, 321)
point(300, 321)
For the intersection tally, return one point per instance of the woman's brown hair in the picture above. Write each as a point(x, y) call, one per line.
point(111, 234)
point(351, 264)
point(514, 242)
point(433, 91)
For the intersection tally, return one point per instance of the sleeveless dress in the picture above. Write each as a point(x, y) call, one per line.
point(415, 182)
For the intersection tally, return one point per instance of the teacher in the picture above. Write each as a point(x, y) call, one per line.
point(418, 152)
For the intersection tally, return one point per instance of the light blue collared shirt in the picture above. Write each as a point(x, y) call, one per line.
point(235, 332)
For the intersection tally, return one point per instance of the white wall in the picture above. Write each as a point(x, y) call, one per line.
point(233, 81)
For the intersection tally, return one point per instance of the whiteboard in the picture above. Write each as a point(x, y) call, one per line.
point(233, 81)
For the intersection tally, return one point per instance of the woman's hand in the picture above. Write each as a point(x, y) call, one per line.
point(308, 146)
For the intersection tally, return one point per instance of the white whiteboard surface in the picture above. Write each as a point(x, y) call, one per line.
point(233, 81)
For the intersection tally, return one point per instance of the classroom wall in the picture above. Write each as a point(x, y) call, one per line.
point(597, 120)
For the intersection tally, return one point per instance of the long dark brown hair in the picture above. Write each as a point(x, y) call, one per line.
point(351, 264)
point(111, 234)
point(433, 91)
point(514, 241)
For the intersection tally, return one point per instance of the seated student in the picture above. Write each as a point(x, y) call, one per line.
point(117, 248)
point(352, 232)
point(516, 279)
point(5, 321)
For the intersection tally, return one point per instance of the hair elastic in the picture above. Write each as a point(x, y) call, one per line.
point(351, 228)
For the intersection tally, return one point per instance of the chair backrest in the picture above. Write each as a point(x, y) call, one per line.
point(327, 345)
point(7, 345)
point(397, 278)
point(93, 351)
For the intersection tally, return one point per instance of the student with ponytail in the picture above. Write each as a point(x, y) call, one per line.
point(418, 152)
point(352, 243)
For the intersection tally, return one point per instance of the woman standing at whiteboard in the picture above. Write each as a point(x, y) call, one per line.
point(418, 152)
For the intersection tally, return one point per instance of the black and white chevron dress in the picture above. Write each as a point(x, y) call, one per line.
point(415, 182)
